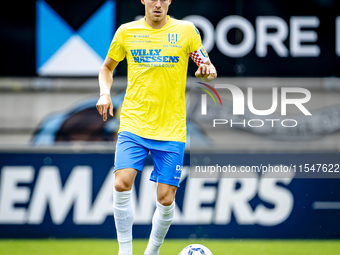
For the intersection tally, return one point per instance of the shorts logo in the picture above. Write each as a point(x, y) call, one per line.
point(172, 38)
point(178, 168)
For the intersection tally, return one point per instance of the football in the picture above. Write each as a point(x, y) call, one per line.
point(195, 249)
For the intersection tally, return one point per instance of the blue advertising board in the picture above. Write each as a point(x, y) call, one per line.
point(70, 196)
point(243, 38)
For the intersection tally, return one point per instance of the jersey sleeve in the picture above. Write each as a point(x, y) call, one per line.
point(196, 50)
point(117, 51)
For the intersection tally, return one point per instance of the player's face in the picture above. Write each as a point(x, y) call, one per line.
point(156, 10)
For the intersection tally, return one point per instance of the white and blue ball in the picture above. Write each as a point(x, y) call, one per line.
point(195, 249)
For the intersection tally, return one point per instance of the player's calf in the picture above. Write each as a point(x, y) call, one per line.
point(123, 215)
point(161, 222)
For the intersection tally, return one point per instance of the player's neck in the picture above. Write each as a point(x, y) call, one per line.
point(156, 24)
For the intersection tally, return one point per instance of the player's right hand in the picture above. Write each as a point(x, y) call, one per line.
point(104, 103)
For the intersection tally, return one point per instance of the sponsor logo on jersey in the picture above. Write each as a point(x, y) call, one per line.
point(172, 38)
point(152, 56)
point(141, 36)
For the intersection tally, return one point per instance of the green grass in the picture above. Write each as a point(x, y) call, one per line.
point(170, 247)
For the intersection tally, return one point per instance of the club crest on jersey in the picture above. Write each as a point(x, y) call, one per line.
point(172, 38)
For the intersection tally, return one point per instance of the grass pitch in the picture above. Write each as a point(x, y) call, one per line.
point(170, 247)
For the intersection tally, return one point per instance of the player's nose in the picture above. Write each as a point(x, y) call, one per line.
point(158, 4)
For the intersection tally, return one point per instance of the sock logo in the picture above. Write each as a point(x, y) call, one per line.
point(61, 51)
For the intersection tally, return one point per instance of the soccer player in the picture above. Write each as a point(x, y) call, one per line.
point(153, 115)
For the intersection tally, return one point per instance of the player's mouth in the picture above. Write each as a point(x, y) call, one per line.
point(157, 13)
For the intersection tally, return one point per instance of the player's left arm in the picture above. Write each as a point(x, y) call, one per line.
point(207, 71)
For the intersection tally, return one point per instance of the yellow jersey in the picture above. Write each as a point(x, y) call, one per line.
point(154, 103)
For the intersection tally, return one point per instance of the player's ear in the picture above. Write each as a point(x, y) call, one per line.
point(143, 2)
point(169, 2)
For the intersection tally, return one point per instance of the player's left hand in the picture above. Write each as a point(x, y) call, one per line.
point(206, 72)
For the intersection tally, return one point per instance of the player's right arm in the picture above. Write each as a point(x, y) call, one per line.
point(105, 82)
point(114, 56)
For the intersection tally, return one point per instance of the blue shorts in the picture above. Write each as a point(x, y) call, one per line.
point(131, 151)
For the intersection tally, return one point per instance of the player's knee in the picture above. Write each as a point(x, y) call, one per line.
point(166, 199)
point(121, 185)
